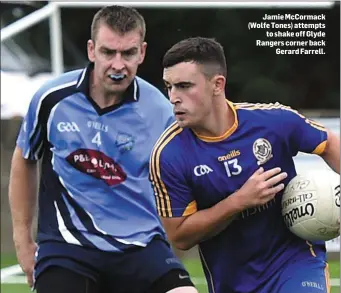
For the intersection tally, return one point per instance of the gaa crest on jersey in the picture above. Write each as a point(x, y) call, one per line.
point(262, 150)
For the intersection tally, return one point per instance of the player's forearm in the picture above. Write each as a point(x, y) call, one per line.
point(205, 224)
point(22, 196)
point(332, 153)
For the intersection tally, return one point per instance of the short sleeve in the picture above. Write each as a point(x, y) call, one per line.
point(31, 135)
point(173, 195)
point(302, 134)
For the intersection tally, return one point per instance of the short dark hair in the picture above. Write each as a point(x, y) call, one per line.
point(204, 51)
point(120, 19)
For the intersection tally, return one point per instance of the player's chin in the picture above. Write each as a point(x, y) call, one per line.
point(182, 122)
point(120, 86)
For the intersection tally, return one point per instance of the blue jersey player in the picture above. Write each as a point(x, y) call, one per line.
point(93, 131)
point(218, 174)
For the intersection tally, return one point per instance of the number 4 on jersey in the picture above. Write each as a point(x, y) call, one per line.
point(232, 167)
point(97, 139)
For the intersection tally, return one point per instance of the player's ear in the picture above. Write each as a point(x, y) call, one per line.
point(143, 52)
point(91, 50)
point(219, 82)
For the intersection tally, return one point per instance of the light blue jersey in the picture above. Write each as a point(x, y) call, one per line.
point(94, 187)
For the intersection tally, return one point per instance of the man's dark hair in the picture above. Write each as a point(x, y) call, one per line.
point(120, 19)
point(204, 51)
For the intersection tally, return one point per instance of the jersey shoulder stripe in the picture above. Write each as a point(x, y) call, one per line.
point(258, 106)
point(162, 197)
point(276, 106)
point(46, 101)
point(47, 96)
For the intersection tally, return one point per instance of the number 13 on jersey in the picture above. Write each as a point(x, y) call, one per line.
point(232, 167)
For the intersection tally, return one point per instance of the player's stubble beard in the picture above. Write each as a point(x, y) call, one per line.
point(104, 94)
point(113, 95)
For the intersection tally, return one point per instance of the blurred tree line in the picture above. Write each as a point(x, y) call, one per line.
point(255, 74)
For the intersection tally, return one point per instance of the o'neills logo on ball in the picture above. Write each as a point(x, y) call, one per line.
point(295, 214)
point(98, 165)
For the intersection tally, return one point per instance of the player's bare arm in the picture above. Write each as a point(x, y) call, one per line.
point(22, 199)
point(331, 153)
point(261, 187)
point(186, 232)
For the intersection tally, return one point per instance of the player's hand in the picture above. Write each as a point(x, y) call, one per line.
point(261, 187)
point(26, 258)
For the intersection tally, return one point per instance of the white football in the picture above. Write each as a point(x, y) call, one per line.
point(311, 205)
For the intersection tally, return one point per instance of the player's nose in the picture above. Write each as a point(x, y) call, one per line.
point(174, 96)
point(117, 63)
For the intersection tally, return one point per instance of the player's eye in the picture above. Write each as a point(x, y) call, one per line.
point(184, 85)
point(129, 53)
point(108, 52)
point(168, 87)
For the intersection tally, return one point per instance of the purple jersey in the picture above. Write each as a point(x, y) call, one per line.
point(191, 173)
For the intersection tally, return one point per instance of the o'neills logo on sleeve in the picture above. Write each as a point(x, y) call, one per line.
point(98, 165)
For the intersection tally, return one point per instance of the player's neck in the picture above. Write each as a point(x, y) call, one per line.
point(219, 120)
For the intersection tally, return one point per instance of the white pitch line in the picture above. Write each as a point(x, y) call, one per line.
point(14, 280)
point(10, 271)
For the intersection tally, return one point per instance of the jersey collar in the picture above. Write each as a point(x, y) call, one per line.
point(228, 133)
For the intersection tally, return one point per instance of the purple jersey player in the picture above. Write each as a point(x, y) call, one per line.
point(219, 172)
